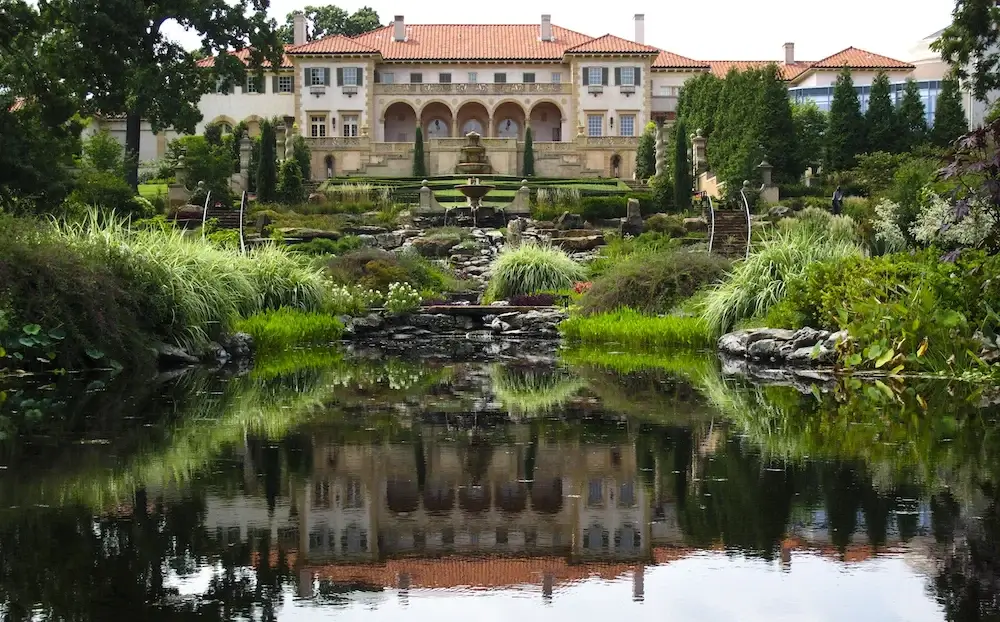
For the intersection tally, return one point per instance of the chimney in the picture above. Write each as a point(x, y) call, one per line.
point(640, 28)
point(546, 32)
point(398, 29)
point(789, 53)
point(298, 28)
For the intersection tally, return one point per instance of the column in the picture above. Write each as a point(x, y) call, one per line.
point(639, 583)
point(490, 132)
point(661, 150)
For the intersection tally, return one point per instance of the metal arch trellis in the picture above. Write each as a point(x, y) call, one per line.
point(711, 231)
point(746, 207)
point(204, 213)
point(243, 204)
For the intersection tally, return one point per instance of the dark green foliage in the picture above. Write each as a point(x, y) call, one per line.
point(845, 136)
point(777, 131)
point(698, 102)
point(970, 42)
point(663, 193)
point(529, 155)
point(267, 174)
point(645, 155)
point(107, 191)
point(949, 116)
point(875, 171)
point(254, 161)
point(376, 269)
point(810, 129)
point(213, 134)
point(290, 189)
point(912, 117)
point(419, 161)
point(881, 124)
point(669, 224)
point(329, 20)
point(302, 155)
point(204, 162)
point(101, 152)
point(233, 140)
point(323, 246)
point(682, 169)
point(652, 283)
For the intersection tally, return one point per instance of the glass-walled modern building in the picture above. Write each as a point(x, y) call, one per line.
point(823, 96)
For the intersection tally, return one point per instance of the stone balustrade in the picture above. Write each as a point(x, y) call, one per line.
point(478, 88)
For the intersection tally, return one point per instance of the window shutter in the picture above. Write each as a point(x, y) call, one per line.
point(274, 85)
point(308, 76)
point(638, 76)
point(604, 76)
point(361, 76)
point(340, 76)
point(232, 88)
point(293, 82)
point(618, 76)
point(326, 76)
point(586, 77)
point(262, 85)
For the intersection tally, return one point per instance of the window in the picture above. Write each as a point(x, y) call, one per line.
point(529, 78)
point(473, 77)
point(595, 493)
point(595, 124)
point(626, 125)
point(285, 84)
point(352, 493)
point(627, 76)
point(595, 76)
point(350, 122)
point(253, 84)
point(317, 124)
point(387, 78)
point(444, 78)
point(626, 495)
point(556, 77)
point(317, 76)
point(500, 78)
point(350, 76)
point(669, 91)
point(416, 78)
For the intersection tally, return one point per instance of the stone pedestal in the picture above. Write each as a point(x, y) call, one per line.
point(245, 149)
point(661, 149)
point(279, 140)
point(699, 147)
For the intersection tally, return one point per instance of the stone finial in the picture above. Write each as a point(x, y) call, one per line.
point(424, 183)
point(524, 182)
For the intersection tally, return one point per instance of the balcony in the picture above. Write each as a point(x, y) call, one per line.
point(664, 103)
point(477, 88)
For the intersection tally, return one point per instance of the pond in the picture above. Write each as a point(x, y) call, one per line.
point(321, 485)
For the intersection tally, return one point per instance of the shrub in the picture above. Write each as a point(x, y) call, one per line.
point(110, 192)
point(302, 155)
point(652, 283)
point(402, 299)
point(671, 225)
point(323, 246)
point(212, 164)
point(266, 173)
point(290, 189)
point(760, 281)
point(283, 328)
point(618, 249)
point(376, 269)
point(629, 327)
point(529, 155)
point(534, 300)
point(822, 224)
point(531, 268)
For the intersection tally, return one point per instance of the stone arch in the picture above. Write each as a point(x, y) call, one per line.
point(509, 119)
point(439, 497)
point(227, 123)
point(616, 165)
point(546, 118)
point(330, 165)
point(399, 121)
point(436, 119)
point(474, 498)
point(512, 496)
point(253, 125)
point(473, 116)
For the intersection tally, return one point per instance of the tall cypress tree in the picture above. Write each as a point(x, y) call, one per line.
point(267, 166)
point(845, 135)
point(777, 128)
point(529, 155)
point(419, 166)
point(949, 116)
point(682, 171)
point(912, 117)
point(882, 130)
point(645, 153)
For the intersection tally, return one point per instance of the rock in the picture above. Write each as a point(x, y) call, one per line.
point(734, 343)
point(368, 241)
point(499, 326)
point(695, 225)
point(363, 230)
point(364, 325)
point(815, 354)
point(833, 341)
point(238, 345)
point(436, 246)
point(316, 197)
point(263, 222)
point(766, 349)
point(215, 352)
point(632, 223)
point(579, 243)
point(187, 212)
point(568, 221)
point(307, 235)
point(170, 355)
point(515, 231)
point(777, 334)
point(778, 212)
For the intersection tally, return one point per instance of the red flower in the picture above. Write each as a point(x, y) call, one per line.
point(582, 287)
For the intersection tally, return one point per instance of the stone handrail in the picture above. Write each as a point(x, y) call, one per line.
point(611, 141)
point(340, 142)
point(481, 88)
point(391, 148)
point(545, 147)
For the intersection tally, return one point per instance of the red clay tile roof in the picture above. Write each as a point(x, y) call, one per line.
point(859, 59)
point(669, 60)
point(338, 44)
point(610, 44)
point(472, 42)
point(244, 55)
point(788, 72)
point(17, 105)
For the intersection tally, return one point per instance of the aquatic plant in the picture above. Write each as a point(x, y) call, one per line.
point(284, 328)
point(402, 299)
point(531, 268)
point(630, 327)
point(529, 392)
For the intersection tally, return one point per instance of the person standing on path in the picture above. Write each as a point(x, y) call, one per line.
point(838, 201)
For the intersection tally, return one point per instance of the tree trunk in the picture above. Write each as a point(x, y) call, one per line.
point(133, 128)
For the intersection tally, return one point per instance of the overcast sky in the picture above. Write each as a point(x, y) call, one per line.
point(700, 29)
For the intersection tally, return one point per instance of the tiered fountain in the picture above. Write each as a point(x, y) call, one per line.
point(472, 160)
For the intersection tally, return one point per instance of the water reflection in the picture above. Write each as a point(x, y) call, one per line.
point(357, 486)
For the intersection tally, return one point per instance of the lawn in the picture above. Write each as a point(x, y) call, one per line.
point(151, 191)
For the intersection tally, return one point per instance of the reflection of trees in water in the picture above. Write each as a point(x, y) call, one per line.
point(968, 582)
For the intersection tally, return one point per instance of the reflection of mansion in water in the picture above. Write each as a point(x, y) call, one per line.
point(384, 514)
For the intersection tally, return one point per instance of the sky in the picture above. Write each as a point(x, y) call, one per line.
point(700, 29)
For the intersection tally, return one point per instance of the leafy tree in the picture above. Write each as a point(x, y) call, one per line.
point(101, 152)
point(213, 133)
point(845, 134)
point(203, 162)
point(681, 169)
point(419, 163)
point(124, 63)
point(810, 128)
point(912, 117)
point(881, 125)
point(267, 175)
point(777, 128)
point(645, 154)
point(698, 101)
point(290, 188)
point(529, 155)
point(970, 45)
point(332, 20)
point(302, 155)
point(949, 116)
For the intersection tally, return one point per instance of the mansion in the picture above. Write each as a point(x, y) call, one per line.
point(586, 99)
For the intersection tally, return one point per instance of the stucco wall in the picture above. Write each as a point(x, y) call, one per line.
point(484, 72)
point(333, 101)
point(242, 106)
point(612, 102)
point(861, 78)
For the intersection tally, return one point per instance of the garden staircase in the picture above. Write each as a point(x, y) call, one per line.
point(730, 232)
point(636, 185)
point(227, 218)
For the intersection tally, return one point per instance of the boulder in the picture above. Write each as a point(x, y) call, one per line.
point(833, 341)
point(695, 225)
point(368, 241)
point(766, 349)
point(734, 343)
point(307, 235)
point(778, 212)
point(435, 246)
point(632, 223)
point(569, 221)
point(364, 324)
point(581, 233)
point(777, 334)
point(263, 222)
point(170, 355)
point(389, 241)
point(316, 197)
point(363, 230)
point(187, 212)
point(815, 354)
point(515, 231)
point(238, 345)
point(578, 244)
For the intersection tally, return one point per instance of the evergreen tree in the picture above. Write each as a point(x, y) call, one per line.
point(267, 174)
point(645, 154)
point(419, 166)
point(845, 134)
point(529, 155)
point(912, 117)
point(949, 116)
point(682, 169)
point(698, 101)
point(810, 128)
point(290, 189)
point(302, 155)
point(777, 128)
point(882, 130)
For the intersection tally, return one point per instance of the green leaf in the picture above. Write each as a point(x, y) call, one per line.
point(885, 358)
point(31, 329)
point(94, 353)
point(873, 351)
point(854, 360)
point(3, 352)
point(27, 342)
point(885, 389)
point(57, 333)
